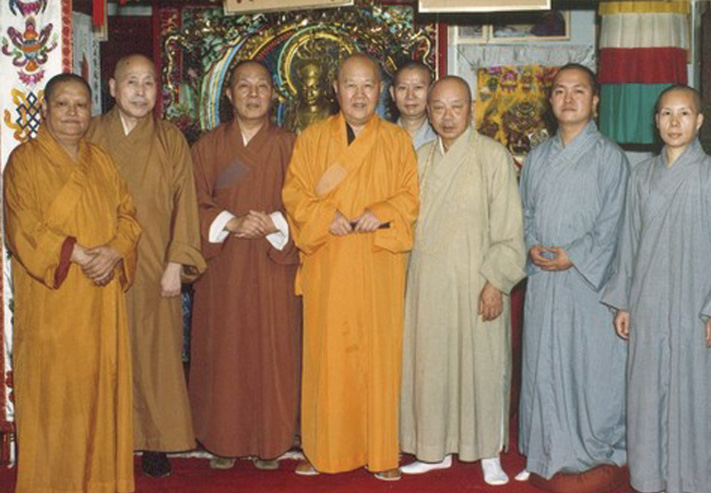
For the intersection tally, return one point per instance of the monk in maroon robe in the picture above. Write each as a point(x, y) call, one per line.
point(246, 329)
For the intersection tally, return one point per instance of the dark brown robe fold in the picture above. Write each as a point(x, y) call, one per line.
point(246, 328)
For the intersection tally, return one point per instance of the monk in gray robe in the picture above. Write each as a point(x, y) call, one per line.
point(661, 288)
point(468, 255)
point(409, 92)
point(572, 415)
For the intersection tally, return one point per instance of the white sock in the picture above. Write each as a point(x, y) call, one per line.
point(493, 473)
point(523, 475)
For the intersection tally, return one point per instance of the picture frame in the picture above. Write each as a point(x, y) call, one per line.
point(251, 6)
point(531, 26)
point(553, 25)
point(479, 6)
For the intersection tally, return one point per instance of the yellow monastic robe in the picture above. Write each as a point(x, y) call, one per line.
point(72, 362)
point(155, 161)
point(353, 288)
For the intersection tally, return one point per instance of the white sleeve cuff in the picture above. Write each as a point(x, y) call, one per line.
point(280, 238)
point(218, 233)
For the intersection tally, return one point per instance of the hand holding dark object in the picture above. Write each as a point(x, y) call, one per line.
point(340, 226)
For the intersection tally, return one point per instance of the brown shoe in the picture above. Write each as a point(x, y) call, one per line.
point(390, 475)
point(222, 463)
point(266, 465)
point(304, 468)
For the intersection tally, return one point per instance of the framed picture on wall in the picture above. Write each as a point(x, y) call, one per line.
point(471, 34)
point(539, 26)
point(430, 6)
point(249, 6)
point(513, 28)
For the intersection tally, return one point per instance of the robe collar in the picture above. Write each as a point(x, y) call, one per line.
point(57, 152)
point(575, 148)
point(257, 141)
point(145, 124)
point(459, 144)
point(693, 153)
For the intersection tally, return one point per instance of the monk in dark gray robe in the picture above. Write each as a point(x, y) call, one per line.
point(572, 397)
point(661, 288)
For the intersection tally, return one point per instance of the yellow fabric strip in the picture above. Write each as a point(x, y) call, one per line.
point(650, 6)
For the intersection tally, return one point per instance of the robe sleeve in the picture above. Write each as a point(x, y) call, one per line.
point(705, 313)
point(128, 232)
point(529, 224)
point(592, 253)
point(503, 263)
point(309, 215)
point(617, 290)
point(401, 209)
point(208, 209)
point(288, 254)
point(184, 245)
point(40, 249)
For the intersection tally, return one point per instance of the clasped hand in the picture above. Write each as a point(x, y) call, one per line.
point(365, 223)
point(549, 258)
point(97, 263)
point(254, 224)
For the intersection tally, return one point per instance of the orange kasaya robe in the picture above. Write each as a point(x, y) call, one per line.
point(353, 288)
point(155, 161)
point(72, 361)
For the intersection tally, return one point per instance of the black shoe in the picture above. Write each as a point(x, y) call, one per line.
point(156, 465)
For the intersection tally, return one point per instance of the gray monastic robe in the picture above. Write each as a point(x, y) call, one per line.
point(572, 414)
point(423, 135)
point(663, 278)
point(456, 368)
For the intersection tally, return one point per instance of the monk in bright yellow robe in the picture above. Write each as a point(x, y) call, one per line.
point(154, 159)
point(351, 195)
point(71, 228)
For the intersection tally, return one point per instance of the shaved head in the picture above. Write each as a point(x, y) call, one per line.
point(413, 66)
point(452, 80)
point(127, 62)
point(250, 63)
point(449, 105)
point(693, 93)
point(134, 86)
point(357, 88)
point(358, 59)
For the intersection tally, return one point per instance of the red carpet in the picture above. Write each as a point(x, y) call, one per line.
point(195, 476)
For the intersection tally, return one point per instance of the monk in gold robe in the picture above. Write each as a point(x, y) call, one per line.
point(246, 330)
point(154, 159)
point(352, 197)
point(71, 227)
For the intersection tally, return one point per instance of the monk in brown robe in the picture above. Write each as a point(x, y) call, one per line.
point(246, 331)
point(72, 231)
point(352, 197)
point(154, 159)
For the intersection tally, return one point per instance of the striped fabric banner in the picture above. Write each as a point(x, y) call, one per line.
point(645, 65)
point(643, 49)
